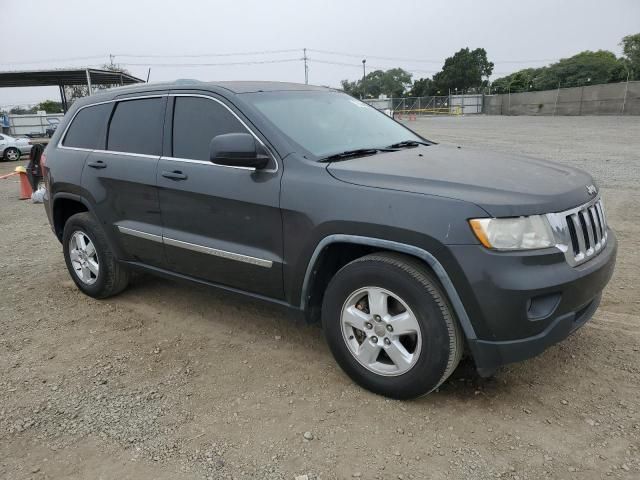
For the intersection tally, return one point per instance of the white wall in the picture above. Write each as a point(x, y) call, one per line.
point(31, 123)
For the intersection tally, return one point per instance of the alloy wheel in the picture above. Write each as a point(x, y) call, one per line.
point(12, 154)
point(84, 258)
point(381, 331)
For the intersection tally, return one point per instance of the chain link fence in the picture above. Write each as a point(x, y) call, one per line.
point(426, 106)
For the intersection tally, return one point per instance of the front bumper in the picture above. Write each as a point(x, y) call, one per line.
point(521, 303)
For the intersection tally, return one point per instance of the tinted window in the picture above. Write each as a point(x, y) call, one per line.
point(136, 126)
point(87, 128)
point(195, 122)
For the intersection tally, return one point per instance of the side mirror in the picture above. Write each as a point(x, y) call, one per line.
point(237, 150)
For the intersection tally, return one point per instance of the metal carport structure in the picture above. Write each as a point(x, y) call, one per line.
point(66, 77)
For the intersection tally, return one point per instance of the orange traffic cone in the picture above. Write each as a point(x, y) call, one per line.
point(25, 186)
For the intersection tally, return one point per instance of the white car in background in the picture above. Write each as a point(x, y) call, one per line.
point(12, 148)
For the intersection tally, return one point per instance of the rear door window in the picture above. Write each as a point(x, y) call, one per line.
point(88, 127)
point(196, 121)
point(136, 126)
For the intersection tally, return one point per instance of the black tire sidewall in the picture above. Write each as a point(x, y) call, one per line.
point(430, 368)
point(80, 223)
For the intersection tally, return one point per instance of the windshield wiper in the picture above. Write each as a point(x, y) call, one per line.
point(407, 143)
point(359, 152)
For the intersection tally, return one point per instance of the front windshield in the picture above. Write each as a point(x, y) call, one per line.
point(328, 122)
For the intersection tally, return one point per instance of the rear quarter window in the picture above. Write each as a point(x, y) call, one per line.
point(88, 127)
point(136, 126)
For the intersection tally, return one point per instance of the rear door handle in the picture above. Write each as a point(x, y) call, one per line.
point(175, 175)
point(98, 164)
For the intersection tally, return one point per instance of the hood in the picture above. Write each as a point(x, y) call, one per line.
point(504, 185)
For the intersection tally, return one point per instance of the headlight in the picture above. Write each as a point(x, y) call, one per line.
point(522, 233)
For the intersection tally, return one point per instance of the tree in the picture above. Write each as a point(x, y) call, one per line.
point(352, 88)
point(21, 111)
point(74, 92)
point(585, 68)
point(631, 50)
point(423, 87)
point(392, 83)
point(50, 106)
point(521, 81)
point(466, 69)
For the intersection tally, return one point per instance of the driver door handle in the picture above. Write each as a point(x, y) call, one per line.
point(98, 164)
point(175, 175)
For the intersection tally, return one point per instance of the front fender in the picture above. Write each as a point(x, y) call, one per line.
point(383, 244)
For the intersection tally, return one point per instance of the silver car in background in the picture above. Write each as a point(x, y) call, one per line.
point(12, 148)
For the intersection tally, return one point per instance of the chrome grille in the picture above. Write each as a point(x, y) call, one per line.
point(581, 232)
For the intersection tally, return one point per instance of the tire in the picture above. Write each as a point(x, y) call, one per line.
point(11, 154)
point(424, 322)
point(110, 277)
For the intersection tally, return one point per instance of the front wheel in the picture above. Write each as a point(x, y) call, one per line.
point(390, 327)
point(11, 154)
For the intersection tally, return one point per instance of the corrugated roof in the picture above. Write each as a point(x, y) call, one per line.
point(43, 78)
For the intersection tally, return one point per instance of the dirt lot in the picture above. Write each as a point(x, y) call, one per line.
point(173, 381)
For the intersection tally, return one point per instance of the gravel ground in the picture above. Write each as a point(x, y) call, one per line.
point(173, 381)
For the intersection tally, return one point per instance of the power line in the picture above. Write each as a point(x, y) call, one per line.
point(344, 64)
point(539, 60)
point(50, 60)
point(131, 55)
point(355, 55)
point(260, 52)
point(254, 62)
point(203, 55)
point(378, 67)
point(414, 60)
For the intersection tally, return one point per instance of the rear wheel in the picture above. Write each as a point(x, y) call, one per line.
point(89, 258)
point(11, 154)
point(390, 327)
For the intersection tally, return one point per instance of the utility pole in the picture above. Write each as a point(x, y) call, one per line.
point(111, 60)
point(306, 67)
point(364, 74)
point(626, 89)
point(555, 105)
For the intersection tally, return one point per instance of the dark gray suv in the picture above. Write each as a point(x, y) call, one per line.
point(409, 253)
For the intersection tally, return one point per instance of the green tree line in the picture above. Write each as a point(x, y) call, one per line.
point(468, 71)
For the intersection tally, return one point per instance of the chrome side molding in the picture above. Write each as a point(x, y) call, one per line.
point(238, 257)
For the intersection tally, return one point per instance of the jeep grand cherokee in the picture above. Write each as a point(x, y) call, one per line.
point(407, 251)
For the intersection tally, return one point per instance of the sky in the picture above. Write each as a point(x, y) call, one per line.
point(411, 34)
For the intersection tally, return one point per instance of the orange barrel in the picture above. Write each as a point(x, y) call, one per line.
point(25, 186)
